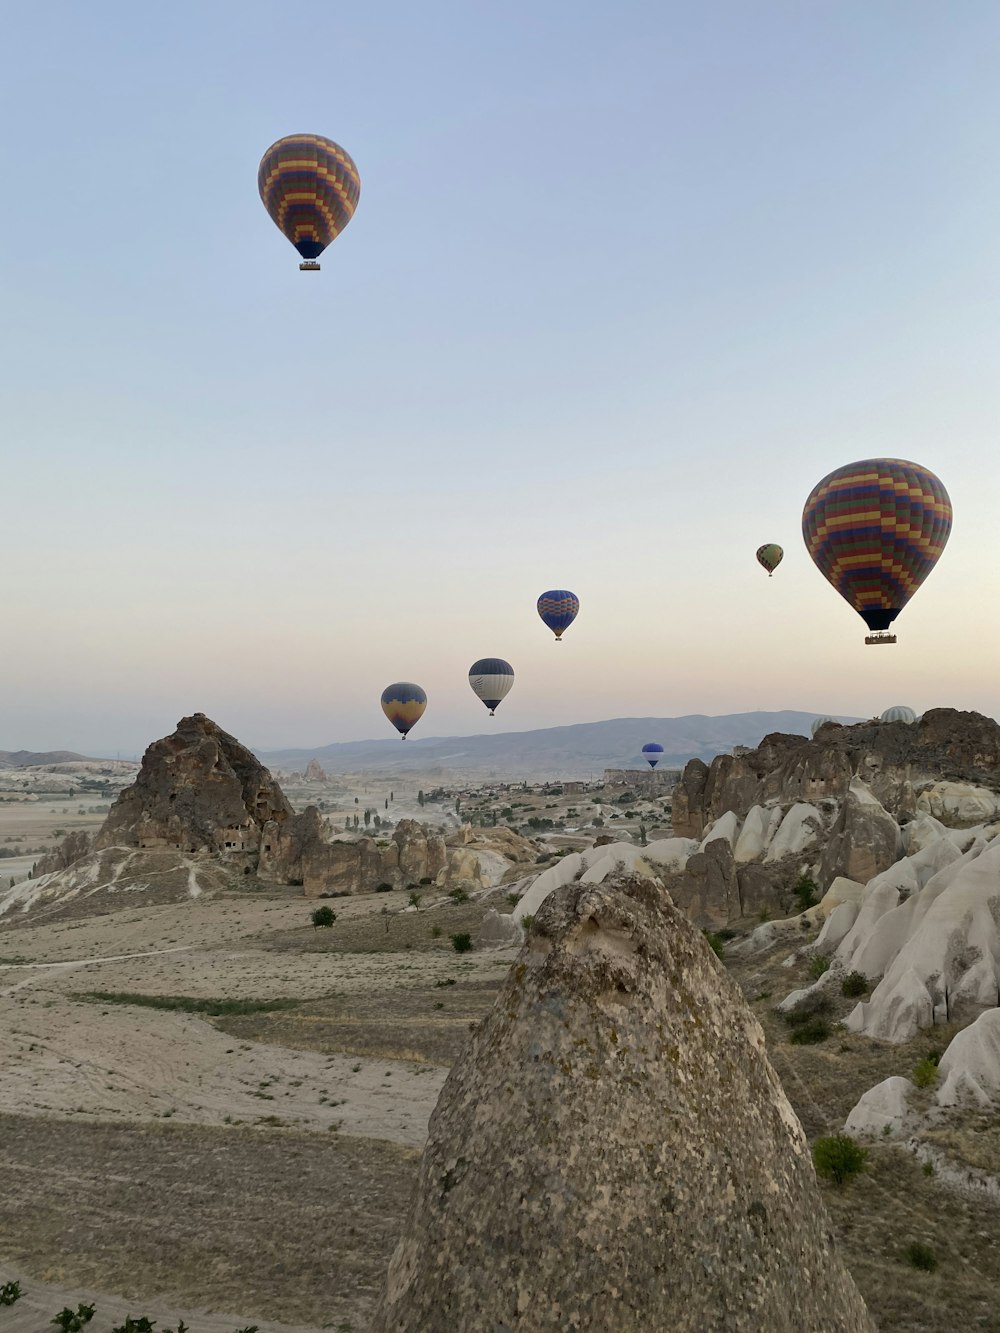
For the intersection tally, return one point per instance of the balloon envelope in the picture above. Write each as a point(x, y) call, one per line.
point(310, 187)
point(652, 753)
point(558, 609)
point(770, 555)
point(899, 713)
point(821, 722)
point(403, 704)
point(875, 530)
point(491, 679)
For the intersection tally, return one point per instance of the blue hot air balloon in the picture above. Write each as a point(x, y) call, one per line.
point(491, 679)
point(558, 608)
point(652, 753)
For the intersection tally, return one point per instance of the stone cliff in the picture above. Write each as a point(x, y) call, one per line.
point(896, 760)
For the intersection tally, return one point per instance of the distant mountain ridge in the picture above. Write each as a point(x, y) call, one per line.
point(574, 751)
point(31, 758)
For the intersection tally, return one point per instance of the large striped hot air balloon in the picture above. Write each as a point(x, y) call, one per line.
point(875, 530)
point(770, 555)
point(403, 704)
point(491, 679)
point(558, 608)
point(310, 187)
point(899, 713)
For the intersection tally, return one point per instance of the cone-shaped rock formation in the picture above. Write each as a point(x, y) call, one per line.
point(614, 1152)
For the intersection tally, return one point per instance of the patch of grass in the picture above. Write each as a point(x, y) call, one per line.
point(528, 920)
point(819, 964)
point(925, 1073)
point(715, 942)
point(853, 985)
point(838, 1157)
point(810, 1033)
point(72, 1321)
point(187, 1004)
point(14, 960)
point(920, 1256)
point(804, 891)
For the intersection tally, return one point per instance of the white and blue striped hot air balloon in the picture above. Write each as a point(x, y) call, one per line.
point(652, 753)
point(491, 679)
point(820, 722)
point(898, 713)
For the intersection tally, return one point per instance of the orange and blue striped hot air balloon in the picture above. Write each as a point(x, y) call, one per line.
point(558, 609)
point(403, 704)
point(310, 187)
point(875, 530)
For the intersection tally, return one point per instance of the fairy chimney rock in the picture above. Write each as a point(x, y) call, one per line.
point(614, 1151)
point(198, 790)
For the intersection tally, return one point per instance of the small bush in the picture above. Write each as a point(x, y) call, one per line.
point(383, 888)
point(72, 1321)
point(461, 943)
point(458, 896)
point(819, 964)
point(426, 879)
point(804, 892)
point(513, 899)
point(920, 1256)
point(436, 932)
point(415, 899)
point(810, 1033)
point(323, 916)
point(925, 1073)
point(715, 942)
point(528, 920)
point(10, 1292)
point(143, 1324)
point(854, 984)
point(838, 1157)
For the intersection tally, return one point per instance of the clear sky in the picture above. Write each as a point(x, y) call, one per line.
point(625, 280)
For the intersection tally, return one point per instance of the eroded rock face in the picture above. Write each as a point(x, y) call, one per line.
point(613, 1150)
point(897, 761)
point(198, 790)
point(864, 840)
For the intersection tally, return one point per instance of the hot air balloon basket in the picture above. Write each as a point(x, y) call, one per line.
point(309, 266)
point(880, 638)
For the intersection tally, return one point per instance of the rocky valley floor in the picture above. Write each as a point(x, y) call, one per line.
point(251, 1149)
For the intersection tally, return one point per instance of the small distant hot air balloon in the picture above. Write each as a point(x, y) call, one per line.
point(875, 530)
point(310, 187)
point(491, 679)
point(652, 753)
point(899, 713)
point(403, 704)
point(558, 608)
point(770, 555)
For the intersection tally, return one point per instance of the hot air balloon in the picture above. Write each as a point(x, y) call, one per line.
point(491, 679)
point(770, 555)
point(821, 722)
point(899, 713)
point(875, 530)
point(403, 704)
point(558, 608)
point(310, 187)
point(652, 753)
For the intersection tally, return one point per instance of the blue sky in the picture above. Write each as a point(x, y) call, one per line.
point(624, 282)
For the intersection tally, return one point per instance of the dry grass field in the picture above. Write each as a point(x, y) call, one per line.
point(252, 1147)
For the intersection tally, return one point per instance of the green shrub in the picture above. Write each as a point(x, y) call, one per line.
point(436, 932)
point(141, 1325)
point(925, 1073)
point(853, 985)
point(10, 1292)
point(715, 942)
point(383, 888)
point(323, 916)
point(461, 943)
point(838, 1157)
point(810, 1033)
point(818, 965)
point(920, 1256)
point(458, 896)
point(513, 899)
point(528, 920)
point(804, 892)
point(72, 1321)
point(414, 899)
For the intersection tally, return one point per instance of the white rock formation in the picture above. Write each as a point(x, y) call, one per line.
point(970, 1067)
point(797, 831)
point(756, 834)
point(726, 826)
point(959, 803)
point(883, 1110)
